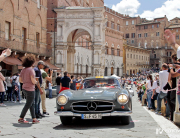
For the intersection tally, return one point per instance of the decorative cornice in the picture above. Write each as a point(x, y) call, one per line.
point(42, 43)
point(31, 23)
point(35, 1)
point(31, 40)
point(43, 28)
point(17, 17)
point(44, 7)
point(17, 36)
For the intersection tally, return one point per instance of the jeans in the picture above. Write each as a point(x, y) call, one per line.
point(2, 97)
point(159, 99)
point(167, 110)
point(37, 101)
point(152, 100)
point(149, 95)
point(15, 94)
point(178, 96)
point(30, 95)
point(9, 92)
point(50, 93)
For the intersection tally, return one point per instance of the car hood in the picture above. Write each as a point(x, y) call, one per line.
point(95, 94)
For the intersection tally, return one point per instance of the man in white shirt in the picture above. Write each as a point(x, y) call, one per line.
point(163, 79)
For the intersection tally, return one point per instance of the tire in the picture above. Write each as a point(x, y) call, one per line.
point(66, 120)
point(125, 120)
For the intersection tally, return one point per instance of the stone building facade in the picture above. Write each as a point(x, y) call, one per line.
point(91, 52)
point(23, 29)
point(149, 34)
point(136, 60)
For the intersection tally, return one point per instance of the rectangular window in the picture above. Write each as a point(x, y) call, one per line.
point(26, 0)
point(112, 25)
point(139, 35)
point(118, 52)
point(132, 21)
point(37, 40)
point(126, 22)
point(176, 30)
point(127, 35)
point(177, 36)
point(152, 26)
point(145, 34)
point(118, 27)
point(139, 27)
point(157, 25)
point(154, 55)
point(145, 27)
point(132, 41)
point(133, 35)
point(157, 33)
point(112, 51)
point(7, 30)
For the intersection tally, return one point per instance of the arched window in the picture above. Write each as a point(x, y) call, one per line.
point(117, 71)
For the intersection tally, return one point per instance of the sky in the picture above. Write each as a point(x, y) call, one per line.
point(146, 8)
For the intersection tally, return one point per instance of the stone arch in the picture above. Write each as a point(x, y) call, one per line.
point(77, 27)
point(9, 11)
point(5, 2)
point(25, 14)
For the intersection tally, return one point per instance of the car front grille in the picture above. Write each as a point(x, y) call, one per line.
point(92, 106)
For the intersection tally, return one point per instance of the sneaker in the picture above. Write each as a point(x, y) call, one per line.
point(41, 115)
point(35, 121)
point(20, 102)
point(3, 105)
point(159, 113)
point(38, 116)
point(45, 113)
point(23, 121)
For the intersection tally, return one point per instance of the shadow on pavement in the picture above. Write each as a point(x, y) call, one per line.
point(22, 125)
point(79, 124)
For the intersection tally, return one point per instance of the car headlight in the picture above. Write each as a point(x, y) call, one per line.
point(122, 99)
point(62, 100)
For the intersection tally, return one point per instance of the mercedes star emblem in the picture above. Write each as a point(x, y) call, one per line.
point(91, 106)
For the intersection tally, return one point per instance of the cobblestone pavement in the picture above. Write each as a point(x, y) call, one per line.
point(142, 125)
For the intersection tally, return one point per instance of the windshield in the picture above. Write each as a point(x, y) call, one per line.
point(99, 83)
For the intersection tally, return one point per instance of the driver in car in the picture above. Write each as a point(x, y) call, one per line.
point(90, 84)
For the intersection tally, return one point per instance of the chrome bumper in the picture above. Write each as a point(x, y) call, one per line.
point(115, 113)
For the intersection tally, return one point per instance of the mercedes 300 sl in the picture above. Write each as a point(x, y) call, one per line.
point(97, 97)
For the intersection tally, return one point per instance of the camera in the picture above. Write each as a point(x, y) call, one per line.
point(49, 71)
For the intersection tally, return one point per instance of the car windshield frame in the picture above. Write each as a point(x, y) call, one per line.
point(115, 83)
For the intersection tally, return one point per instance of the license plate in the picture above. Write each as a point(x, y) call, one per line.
point(91, 116)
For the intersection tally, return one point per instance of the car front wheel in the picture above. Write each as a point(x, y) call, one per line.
point(66, 120)
point(125, 120)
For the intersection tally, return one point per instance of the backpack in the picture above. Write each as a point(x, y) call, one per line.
point(14, 82)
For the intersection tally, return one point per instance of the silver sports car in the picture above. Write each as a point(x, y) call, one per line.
point(97, 97)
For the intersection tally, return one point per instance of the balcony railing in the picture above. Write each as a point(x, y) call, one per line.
point(23, 47)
